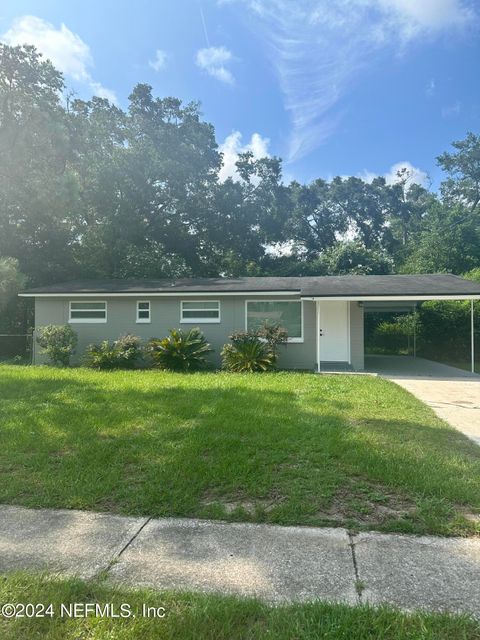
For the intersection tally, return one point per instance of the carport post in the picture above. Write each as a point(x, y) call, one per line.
point(472, 330)
point(317, 302)
point(415, 330)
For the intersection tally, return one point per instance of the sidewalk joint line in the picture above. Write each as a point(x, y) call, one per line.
point(358, 583)
point(133, 537)
point(123, 549)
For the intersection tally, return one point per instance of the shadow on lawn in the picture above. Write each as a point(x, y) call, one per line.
point(161, 450)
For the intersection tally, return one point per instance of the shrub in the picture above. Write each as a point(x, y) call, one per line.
point(248, 353)
point(390, 337)
point(123, 353)
point(58, 342)
point(273, 334)
point(179, 351)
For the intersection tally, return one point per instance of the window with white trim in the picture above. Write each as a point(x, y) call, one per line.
point(143, 310)
point(201, 311)
point(87, 311)
point(285, 313)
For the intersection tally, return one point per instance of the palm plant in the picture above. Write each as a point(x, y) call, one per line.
point(248, 353)
point(179, 351)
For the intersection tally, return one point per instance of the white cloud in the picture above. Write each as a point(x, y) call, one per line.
point(319, 49)
point(213, 60)
point(160, 60)
point(416, 16)
point(66, 50)
point(232, 146)
point(415, 175)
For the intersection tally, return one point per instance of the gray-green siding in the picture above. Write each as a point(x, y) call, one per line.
point(165, 315)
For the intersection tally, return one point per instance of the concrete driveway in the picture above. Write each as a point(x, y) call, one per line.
point(452, 393)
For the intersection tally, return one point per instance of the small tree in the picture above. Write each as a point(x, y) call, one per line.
point(58, 342)
point(274, 335)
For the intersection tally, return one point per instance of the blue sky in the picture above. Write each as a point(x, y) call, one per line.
point(334, 87)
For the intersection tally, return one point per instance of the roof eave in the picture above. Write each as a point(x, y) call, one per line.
point(400, 298)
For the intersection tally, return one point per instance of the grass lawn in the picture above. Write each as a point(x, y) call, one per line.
point(202, 617)
point(287, 448)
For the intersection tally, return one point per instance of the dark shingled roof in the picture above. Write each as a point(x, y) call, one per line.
point(314, 286)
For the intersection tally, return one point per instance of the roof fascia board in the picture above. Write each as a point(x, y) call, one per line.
point(153, 294)
point(390, 298)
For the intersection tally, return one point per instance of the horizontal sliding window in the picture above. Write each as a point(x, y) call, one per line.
point(284, 313)
point(200, 311)
point(88, 311)
point(143, 310)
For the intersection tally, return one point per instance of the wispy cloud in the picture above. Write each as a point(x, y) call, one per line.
point(214, 61)
point(159, 61)
point(232, 146)
point(452, 110)
point(66, 50)
point(319, 48)
point(430, 88)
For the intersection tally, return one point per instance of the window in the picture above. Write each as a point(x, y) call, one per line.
point(143, 310)
point(286, 313)
point(88, 311)
point(200, 311)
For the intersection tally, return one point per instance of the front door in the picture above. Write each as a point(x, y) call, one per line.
point(334, 331)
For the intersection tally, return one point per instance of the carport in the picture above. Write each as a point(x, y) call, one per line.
point(413, 364)
point(385, 292)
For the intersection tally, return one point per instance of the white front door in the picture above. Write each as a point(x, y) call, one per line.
point(334, 331)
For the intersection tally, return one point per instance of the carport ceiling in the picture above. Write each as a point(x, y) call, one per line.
point(386, 307)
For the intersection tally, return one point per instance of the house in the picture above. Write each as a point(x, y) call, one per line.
point(324, 315)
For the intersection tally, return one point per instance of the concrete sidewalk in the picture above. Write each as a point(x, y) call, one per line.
point(277, 564)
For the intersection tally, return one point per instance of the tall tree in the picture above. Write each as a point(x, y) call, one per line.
point(318, 218)
point(35, 186)
point(463, 169)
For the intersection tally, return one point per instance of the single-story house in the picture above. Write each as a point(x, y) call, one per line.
point(324, 315)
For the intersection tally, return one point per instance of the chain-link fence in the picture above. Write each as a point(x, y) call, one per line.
point(16, 347)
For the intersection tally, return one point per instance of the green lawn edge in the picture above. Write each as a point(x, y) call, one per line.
point(210, 617)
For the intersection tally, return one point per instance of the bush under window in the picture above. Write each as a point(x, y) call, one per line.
point(247, 353)
point(124, 353)
point(179, 351)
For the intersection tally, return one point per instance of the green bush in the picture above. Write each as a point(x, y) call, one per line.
point(273, 334)
point(124, 353)
point(446, 329)
point(179, 351)
point(58, 342)
point(390, 337)
point(248, 352)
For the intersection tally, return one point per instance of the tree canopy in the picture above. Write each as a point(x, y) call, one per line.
point(91, 190)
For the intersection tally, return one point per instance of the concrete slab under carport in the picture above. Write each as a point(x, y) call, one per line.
point(454, 394)
point(399, 367)
point(66, 542)
point(276, 564)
